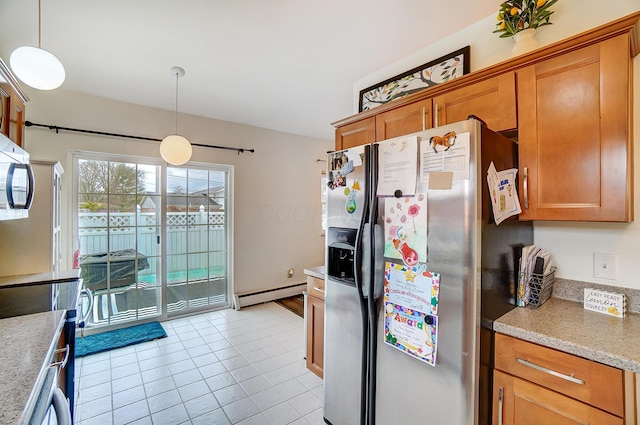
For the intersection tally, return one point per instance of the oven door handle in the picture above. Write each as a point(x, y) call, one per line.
point(87, 292)
point(61, 406)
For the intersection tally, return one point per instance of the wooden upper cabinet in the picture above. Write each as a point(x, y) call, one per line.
point(574, 135)
point(355, 134)
point(12, 101)
point(492, 100)
point(4, 111)
point(16, 120)
point(404, 120)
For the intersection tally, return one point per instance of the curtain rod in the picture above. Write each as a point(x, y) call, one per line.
point(58, 128)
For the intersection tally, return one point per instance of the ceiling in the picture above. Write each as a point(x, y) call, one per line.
point(287, 65)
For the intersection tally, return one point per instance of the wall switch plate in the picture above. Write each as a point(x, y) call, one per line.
point(290, 272)
point(604, 265)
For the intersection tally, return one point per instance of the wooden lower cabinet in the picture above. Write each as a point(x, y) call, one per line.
point(533, 384)
point(314, 316)
point(520, 402)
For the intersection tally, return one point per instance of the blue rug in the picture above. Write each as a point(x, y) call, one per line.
point(97, 343)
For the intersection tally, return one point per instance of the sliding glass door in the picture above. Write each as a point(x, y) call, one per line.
point(153, 240)
point(118, 229)
point(196, 239)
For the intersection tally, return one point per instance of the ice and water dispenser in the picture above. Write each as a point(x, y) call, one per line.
point(340, 253)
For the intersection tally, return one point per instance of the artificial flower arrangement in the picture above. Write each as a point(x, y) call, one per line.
point(518, 15)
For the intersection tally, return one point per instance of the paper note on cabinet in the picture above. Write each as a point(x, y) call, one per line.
point(504, 196)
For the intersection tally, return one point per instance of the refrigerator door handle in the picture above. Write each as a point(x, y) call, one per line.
point(358, 276)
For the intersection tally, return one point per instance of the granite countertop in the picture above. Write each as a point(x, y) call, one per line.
point(39, 278)
point(28, 343)
point(565, 325)
point(317, 272)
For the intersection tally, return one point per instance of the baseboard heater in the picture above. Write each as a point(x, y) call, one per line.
point(258, 297)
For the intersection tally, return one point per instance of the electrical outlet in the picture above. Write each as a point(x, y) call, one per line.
point(604, 265)
point(290, 272)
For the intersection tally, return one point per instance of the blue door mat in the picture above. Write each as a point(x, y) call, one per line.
point(97, 343)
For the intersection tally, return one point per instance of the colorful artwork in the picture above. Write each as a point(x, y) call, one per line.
point(405, 221)
point(412, 287)
point(438, 71)
point(412, 332)
point(411, 304)
point(351, 205)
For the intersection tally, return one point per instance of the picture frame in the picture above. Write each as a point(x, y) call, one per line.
point(437, 71)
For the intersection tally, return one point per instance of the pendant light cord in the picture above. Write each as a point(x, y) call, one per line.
point(177, 76)
point(39, 24)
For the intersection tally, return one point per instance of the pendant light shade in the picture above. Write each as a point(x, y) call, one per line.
point(37, 67)
point(176, 149)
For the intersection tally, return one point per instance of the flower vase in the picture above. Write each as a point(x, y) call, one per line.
point(524, 41)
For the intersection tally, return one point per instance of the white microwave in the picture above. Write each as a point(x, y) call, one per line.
point(16, 181)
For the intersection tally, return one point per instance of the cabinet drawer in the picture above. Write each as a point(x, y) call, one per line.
point(523, 402)
point(315, 287)
point(593, 383)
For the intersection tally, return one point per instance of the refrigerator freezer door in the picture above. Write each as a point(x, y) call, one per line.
point(342, 354)
point(346, 191)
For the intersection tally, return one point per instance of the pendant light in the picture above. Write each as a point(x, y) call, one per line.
point(176, 149)
point(37, 67)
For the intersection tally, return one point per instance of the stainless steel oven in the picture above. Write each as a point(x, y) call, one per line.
point(28, 294)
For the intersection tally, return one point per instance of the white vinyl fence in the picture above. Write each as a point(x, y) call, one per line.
point(200, 234)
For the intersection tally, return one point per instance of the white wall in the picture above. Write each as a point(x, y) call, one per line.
point(277, 212)
point(572, 244)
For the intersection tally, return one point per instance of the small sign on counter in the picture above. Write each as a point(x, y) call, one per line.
point(610, 303)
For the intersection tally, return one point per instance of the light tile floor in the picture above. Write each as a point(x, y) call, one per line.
point(223, 367)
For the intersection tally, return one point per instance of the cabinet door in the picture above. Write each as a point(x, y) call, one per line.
point(574, 135)
point(4, 111)
point(406, 119)
point(492, 100)
point(520, 402)
point(16, 125)
point(358, 133)
point(315, 335)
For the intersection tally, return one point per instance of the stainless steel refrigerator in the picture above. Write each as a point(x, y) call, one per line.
point(367, 379)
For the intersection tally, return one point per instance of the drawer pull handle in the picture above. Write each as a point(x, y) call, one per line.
point(525, 186)
point(570, 378)
point(317, 288)
point(500, 401)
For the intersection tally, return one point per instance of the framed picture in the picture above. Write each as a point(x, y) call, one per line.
point(438, 71)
